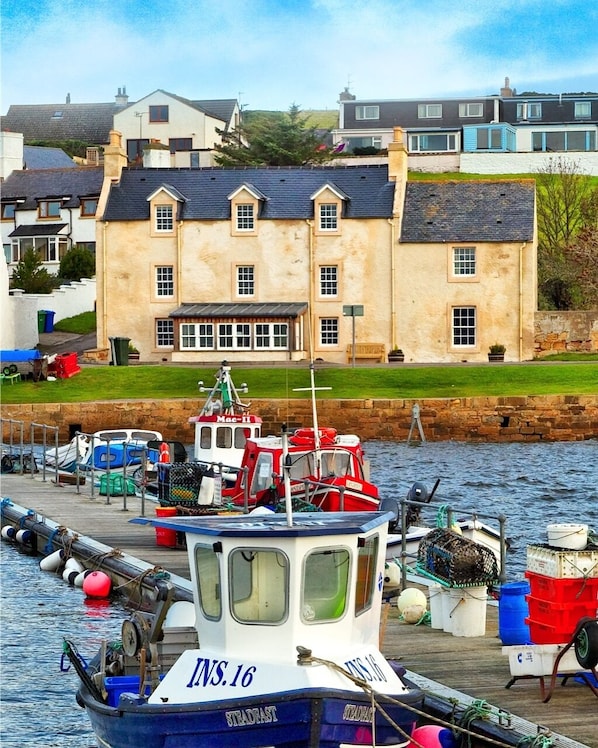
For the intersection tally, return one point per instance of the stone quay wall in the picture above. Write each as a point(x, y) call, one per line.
point(548, 418)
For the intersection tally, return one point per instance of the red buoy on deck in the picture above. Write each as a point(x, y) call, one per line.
point(97, 584)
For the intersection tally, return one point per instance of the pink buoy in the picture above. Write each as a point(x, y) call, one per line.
point(432, 736)
point(97, 584)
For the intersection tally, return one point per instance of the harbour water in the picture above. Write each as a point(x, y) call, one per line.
point(531, 484)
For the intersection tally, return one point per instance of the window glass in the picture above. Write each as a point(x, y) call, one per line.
point(158, 113)
point(8, 210)
point(329, 331)
point(165, 280)
point(205, 437)
point(583, 109)
point(206, 335)
point(325, 584)
point(262, 476)
point(367, 112)
point(328, 217)
point(245, 280)
point(329, 280)
point(224, 437)
point(245, 217)
point(164, 219)
point(164, 333)
point(425, 111)
point(207, 570)
point(366, 574)
point(49, 209)
point(464, 326)
point(89, 206)
point(464, 261)
point(471, 110)
point(258, 585)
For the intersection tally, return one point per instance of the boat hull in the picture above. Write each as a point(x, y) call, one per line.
point(319, 718)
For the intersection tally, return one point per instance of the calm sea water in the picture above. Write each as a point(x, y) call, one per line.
point(532, 484)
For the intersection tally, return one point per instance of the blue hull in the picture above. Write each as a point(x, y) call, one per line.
point(322, 719)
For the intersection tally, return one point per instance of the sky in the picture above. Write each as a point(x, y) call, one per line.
point(270, 54)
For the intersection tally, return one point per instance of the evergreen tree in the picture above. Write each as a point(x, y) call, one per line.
point(273, 139)
point(30, 276)
point(78, 262)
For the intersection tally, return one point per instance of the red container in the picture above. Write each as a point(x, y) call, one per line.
point(66, 365)
point(563, 616)
point(164, 536)
point(544, 633)
point(563, 590)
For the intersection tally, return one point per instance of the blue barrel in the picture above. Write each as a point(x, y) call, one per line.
point(512, 612)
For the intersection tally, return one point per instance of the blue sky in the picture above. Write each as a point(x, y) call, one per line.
point(272, 53)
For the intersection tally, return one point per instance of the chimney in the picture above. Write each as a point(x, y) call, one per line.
point(506, 91)
point(68, 98)
point(115, 158)
point(121, 97)
point(346, 96)
point(397, 169)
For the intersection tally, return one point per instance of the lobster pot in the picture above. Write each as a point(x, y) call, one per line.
point(179, 483)
point(455, 560)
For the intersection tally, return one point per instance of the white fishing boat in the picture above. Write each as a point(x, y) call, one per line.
point(287, 616)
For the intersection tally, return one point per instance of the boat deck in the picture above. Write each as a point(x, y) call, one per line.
point(470, 665)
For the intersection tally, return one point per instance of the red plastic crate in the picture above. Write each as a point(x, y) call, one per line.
point(563, 616)
point(563, 590)
point(544, 633)
point(66, 365)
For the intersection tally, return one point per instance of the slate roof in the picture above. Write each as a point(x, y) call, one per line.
point(477, 211)
point(90, 123)
point(287, 191)
point(42, 184)
point(37, 157)
point(241, 309)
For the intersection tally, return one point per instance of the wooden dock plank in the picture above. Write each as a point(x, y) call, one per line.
point(471, 665)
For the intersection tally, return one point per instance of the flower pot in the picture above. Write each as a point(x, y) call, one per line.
point(396, 357)
point(496, 357)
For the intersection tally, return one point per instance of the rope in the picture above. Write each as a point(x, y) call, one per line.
point(478, 709)
point(157, 571)
point(307, 657)
point(537, 741)
point(57, 532)
point(30, 513)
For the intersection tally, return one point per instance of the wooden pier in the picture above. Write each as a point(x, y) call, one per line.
point(438, 661)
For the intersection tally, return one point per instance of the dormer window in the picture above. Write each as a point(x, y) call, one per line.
point(8, 211)
point(89, 206)
point(164, 218)
point(328, 217)
point(245, 217)
point(49, 209)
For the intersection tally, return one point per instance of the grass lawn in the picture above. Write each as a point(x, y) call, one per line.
point(382, 382)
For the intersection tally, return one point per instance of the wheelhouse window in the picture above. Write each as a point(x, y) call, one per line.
point(209, 584)
point(328, 217)
point(245, 217)
point(245, 280)
point(370, 111)
point(329, 331)
point(164, 333)
point(165, 281)
point(428, 142)
point(329, 280)
point(325, 581)
point(158, 113)
point(366, 574)
point(258, 585)
point(49, 209)
point(164, 218)
point(89, 206)
point(464, 326)
point(471, 109)
point(429, 111)
point(464, 261)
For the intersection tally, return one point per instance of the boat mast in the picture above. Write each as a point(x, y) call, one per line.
point(313, 389)
point(223, 398)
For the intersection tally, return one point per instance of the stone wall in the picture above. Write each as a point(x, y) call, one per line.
point(468, 419)
point(557, 332)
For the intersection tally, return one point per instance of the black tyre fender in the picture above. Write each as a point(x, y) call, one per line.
point(586, 645)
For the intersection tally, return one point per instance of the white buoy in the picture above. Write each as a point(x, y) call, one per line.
point(80, 578)
point(24, 536)
point(69, 575)
point(73, 565)
point(8, 532)
point(392, 575)
point(52, 562)
point(411, 596)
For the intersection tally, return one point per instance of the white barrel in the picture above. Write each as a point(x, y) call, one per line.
point(52, 562)
point(80, 578)
point(73, 565)
point(8, 532)
point(69, 575)
point(24, 536)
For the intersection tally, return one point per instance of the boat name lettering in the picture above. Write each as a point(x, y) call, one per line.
point(213, 673)
point(233, 419)
point(357, 713)
point(254, 716)
point(366, 668)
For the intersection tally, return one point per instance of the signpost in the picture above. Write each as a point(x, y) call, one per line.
point(353, 310)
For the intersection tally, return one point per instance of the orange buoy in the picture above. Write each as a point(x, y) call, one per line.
point(164, 453)
point(97, 584)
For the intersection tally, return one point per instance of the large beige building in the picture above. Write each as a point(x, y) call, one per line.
point(279, 264)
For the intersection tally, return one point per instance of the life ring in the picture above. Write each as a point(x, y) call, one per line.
point(306, 436)
point(586, 645)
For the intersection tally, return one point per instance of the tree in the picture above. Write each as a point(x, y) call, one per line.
point(273, 139)
point(30, 276)
point(78, 262)
point(566, 203)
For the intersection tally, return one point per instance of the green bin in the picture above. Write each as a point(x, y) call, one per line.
point(41, 320)
point(120, 351)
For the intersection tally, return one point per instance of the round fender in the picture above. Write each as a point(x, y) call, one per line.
point(586, 645)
